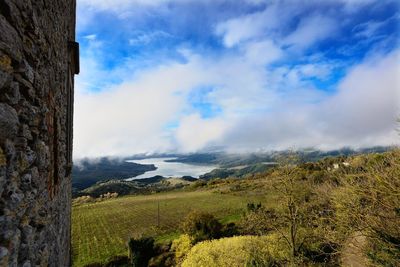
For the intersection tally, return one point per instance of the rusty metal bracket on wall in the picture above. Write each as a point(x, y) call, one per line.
point(74, 68)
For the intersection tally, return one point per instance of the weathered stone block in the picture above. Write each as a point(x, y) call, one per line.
point(25, 88)
point(2, 180)
point(43, 154)
point(5, 77)
point(35, 179)
point(9, 150)
point(14, 245)
point(25, 132)
point(27, 71)
point(3, 256)
point(10, 43)
point(11, 93)
point(26, 180)
point(8, 122)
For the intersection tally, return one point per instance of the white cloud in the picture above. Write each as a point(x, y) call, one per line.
point(352, 5)
point(240, 29)
point(262, 52)
point(146, 38)
point(260, 106)
point(255, 25)
point(368, 29)
point(273, 23)
point(362, 113)
point(311, 30)
point(130, 117)
point(195, 133)
point(122, 6)
point(368, 101)
point(320, 70)
point(115, 5)
point(90, 37)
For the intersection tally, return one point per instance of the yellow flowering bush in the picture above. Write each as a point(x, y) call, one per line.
point(181, 246)
point(236, 251)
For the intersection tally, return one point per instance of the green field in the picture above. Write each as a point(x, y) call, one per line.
point(100, 230)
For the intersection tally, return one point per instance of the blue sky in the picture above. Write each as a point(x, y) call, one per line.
point(242, 75)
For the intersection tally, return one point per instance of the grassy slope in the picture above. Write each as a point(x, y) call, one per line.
point(100, 230)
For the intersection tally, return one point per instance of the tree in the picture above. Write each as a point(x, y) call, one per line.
point(292, 215)
point(369, 203)
point(301, 213)
point(257, 220)
point(201, 226)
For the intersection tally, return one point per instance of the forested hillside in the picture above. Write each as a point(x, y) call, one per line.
point(87, 172)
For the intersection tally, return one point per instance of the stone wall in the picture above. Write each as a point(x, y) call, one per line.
point(37, 65)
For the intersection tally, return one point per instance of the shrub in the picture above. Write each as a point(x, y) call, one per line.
point(236, 251)
point(118, 261)
point(201, 226)
point(181, 246)
point(94, 264)
point(252, 207)
point(162, 255)
point(140, 250)
point(229, 230)
point(165, 259)
point(199, 183)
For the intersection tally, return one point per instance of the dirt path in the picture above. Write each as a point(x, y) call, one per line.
point(353, 252)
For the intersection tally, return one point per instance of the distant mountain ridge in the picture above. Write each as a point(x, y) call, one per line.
point(227, 160)
point(88, 172)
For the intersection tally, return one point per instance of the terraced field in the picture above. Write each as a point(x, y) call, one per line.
point(100, 230)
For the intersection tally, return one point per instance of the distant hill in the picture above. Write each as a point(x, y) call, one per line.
point(226, 160)
point(238, 172)
point(87, 172)
point(139, 186)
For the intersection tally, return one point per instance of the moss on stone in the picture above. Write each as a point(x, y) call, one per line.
point(3, 159)
point(5, 63)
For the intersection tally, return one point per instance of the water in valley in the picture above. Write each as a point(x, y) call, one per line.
point(172, 169)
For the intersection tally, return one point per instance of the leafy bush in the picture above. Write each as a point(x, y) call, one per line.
point(199, 183)
point(229, 230)
point(252, 207)
point(165, 259)
point(236, 251)
point(201, 226)
point(181, 247)
point(140, 250)
point(162, 255)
